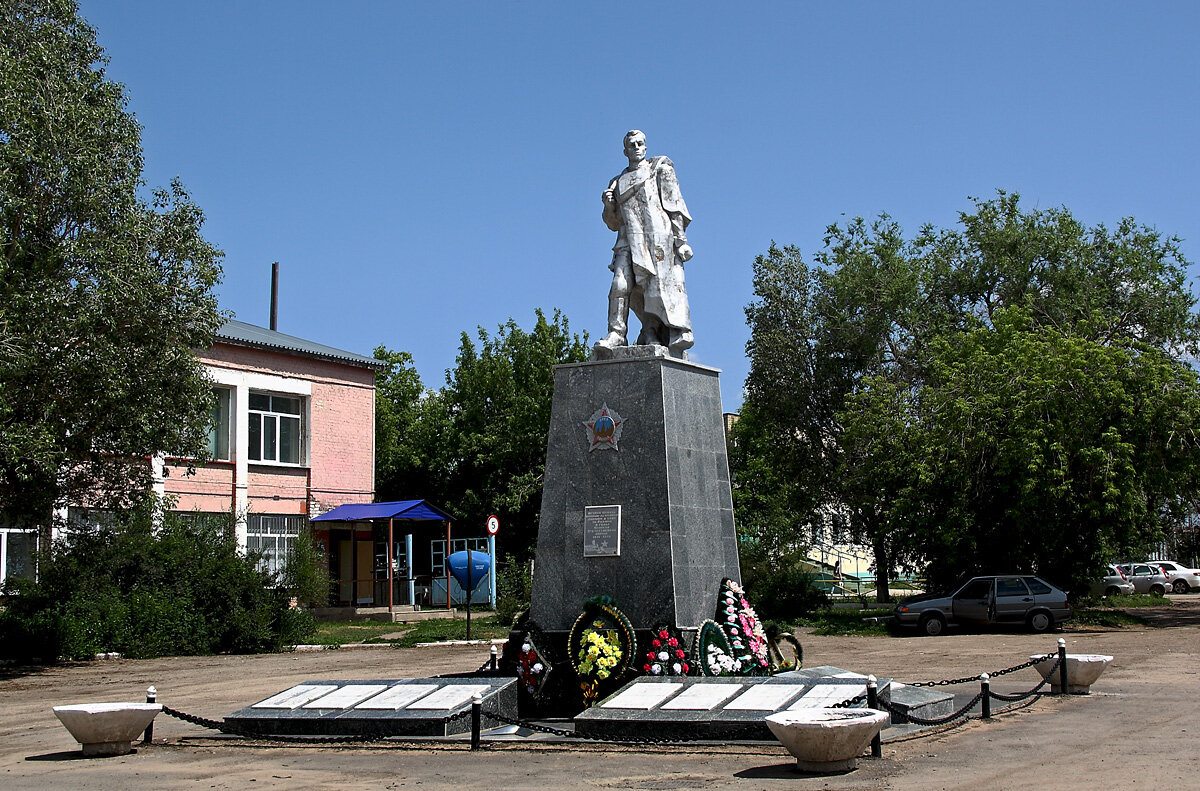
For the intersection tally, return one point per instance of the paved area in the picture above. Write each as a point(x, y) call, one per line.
point(1140, 725)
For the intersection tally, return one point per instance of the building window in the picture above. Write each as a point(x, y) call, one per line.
point(275, 428)
point(18, 552)
point(218, 432)
point(271, 539)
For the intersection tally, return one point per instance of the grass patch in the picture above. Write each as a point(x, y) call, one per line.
point(1126, 601)
point(845, 622)
point(486, 628)
point(432, 631)
point(1100, 616)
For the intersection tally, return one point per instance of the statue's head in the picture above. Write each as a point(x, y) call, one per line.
point(635, 145)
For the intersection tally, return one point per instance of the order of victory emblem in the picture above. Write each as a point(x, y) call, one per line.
point(604, 429)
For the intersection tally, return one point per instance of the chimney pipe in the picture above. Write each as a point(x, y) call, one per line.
point(275, 296)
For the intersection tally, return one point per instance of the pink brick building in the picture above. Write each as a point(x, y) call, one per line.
point(293, 436)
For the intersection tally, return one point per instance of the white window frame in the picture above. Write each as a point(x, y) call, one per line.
point(5, 532)
point(214, 442)
point(274, 536)
point(264, 414)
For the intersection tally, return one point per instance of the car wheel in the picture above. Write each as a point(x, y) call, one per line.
point(1113, 590)
point(933, 624)
point(1157, 590)
point(1040, 621)
point(1180, 586)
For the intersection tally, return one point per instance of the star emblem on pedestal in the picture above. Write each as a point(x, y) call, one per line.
point(604, 429)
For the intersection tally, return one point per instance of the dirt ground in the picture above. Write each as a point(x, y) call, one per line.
point(1141, 724)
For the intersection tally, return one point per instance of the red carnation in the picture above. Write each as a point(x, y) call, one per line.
point(685, 668)
point(646, 668)
point(679, 653)
point(656, 644)
point(672, 642)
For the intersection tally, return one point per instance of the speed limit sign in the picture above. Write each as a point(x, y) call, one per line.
point(493, 525)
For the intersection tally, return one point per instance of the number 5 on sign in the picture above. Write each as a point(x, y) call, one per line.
point(493, 525)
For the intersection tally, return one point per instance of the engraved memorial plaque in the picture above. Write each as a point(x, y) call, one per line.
point(601, 531)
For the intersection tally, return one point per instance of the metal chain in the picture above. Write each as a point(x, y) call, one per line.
point(968, 679)
point(935, 720)
point(1035, 691)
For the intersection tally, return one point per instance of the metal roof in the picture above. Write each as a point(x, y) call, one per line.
point(242, 334)
point(401, 509)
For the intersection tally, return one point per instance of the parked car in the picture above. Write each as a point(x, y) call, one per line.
point(1146, 578)
point(1111, 581)
point(1180, 578)
point(1011, 599)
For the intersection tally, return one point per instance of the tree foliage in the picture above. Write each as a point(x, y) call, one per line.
point(1007, 394)
point(476, 446)
point(105, 291)
point(149, 582)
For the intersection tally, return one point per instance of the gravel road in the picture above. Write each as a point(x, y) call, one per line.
point(1141, 724)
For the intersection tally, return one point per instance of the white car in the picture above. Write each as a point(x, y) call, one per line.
point(1146, 577)
point(1111, 582)
point(1182, 578)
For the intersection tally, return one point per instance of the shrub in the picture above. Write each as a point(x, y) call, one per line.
point(180, 588)
point(514, 584)
point(779, 586)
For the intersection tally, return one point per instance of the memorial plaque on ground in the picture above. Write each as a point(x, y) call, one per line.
point(601, 531)
point(727, 707)
point(411, 706)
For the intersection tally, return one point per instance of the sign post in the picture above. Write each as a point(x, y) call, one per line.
point(493, 527)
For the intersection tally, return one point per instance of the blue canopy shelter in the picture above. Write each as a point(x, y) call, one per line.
point(384, 561)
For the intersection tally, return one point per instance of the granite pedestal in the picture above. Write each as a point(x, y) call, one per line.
point(726, 708)
point(409, 707)
point(644, 434)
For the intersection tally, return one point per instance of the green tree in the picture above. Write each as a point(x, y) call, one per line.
point(478, 445)
point(860, 399)
point(106, 291)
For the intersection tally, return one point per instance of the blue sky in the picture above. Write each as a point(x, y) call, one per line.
point(422, 168)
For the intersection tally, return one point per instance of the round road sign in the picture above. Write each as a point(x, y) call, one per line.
point(493, 525)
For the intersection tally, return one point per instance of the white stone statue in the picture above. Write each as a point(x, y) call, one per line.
point(644, 207)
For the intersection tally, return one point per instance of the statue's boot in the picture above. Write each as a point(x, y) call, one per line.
point(618, 323)
point(681, 341)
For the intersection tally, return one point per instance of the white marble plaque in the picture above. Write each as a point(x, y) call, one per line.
point(450, 696)
point(702, 697)
point(346, 697)
point(823, 695)
point(642, 696)
point(398, 696)
point(764, 697)
point(296, 696)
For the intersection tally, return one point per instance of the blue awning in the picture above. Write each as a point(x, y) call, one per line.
point(401, 509)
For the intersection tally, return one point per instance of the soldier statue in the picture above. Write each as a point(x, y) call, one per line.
point(644, 207)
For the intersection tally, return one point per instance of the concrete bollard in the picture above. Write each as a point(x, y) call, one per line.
point(151, 697)
point(494, 652)
point(873, 703)
point(1062, 666)
point(476, 711)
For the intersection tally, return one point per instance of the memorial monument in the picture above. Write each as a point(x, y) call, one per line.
point(636, 502)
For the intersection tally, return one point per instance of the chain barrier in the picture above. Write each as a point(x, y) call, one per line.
point(1035, 691)
point(371, 734)
point(963, 712)
point(967, 679)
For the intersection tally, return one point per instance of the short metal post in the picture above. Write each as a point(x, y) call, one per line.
point(151, 697)
point(476, 711)
point(1062, 666)
point(873, 703)
point(494, 658)
point(985, 691)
